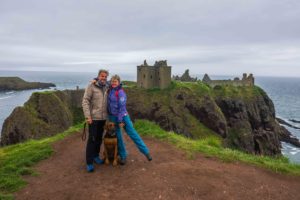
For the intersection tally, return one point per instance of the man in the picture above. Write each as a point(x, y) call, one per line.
point(94, 106)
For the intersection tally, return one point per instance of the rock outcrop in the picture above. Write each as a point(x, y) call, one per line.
point(44, 114)
point(16, 83)
point(185, 77)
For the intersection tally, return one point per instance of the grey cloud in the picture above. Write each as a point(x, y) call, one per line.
point(218, 36)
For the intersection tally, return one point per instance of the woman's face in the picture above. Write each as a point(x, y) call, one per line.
point(114, 83)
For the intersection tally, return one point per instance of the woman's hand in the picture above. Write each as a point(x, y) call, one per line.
point(93, 81)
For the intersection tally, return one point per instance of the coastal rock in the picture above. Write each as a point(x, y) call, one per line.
point(44, 114)
point(251, 123)
point(286, 136)
point(207, 112)
point(16, 83)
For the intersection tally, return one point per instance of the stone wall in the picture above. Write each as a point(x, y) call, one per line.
point(157, 76)
point(245, 81)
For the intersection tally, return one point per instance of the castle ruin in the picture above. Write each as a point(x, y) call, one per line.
point(185, 77)
point(246, 81)
point(156, 76)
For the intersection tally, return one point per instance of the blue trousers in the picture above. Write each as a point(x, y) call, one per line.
point(131, 132)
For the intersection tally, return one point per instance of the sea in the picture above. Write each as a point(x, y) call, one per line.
point(284, 91)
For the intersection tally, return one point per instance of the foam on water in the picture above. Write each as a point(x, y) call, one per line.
point(5, 97)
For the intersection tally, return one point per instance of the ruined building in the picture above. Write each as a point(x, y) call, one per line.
point(246, 81)
point(157, 76)
point(185, 77)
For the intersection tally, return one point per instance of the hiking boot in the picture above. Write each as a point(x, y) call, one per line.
point(98, 161)
point(90, 168)
point(122, 161)
point(149, 157)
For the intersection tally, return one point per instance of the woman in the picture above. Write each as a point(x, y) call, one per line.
point(118, 113)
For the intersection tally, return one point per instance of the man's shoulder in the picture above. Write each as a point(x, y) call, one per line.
point(90, 84)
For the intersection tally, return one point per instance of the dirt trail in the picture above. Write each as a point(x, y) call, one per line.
point(169, 176)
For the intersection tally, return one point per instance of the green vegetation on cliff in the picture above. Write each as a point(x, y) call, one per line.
point(44, 114)
point(16, 83)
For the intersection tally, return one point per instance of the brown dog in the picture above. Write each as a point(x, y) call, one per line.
point(110, 144)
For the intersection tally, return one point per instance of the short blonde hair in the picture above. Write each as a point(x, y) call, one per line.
point(116, 77)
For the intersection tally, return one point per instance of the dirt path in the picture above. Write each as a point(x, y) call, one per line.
point(169, 176)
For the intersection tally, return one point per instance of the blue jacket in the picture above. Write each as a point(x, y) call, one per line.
point(117, 102)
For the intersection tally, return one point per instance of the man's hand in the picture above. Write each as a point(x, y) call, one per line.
point(121, 124)
point(89, 120)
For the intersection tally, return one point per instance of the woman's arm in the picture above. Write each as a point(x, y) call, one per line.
point(121, 105)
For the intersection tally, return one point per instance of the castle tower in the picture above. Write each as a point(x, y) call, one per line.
point(157, 76)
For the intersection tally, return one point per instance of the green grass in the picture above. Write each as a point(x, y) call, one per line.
point(17, 160)
point(212, 146)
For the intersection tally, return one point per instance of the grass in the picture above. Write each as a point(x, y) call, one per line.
point(231, 91)
point(212, 146)
point(17, 160)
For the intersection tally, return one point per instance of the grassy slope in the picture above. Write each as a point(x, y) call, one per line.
point(211, 146)
point(167, 98)
point(16, 160)
point(195, 90)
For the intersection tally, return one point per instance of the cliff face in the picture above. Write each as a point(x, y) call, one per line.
point(44, 114)
point(243, 116)
point(16, 83)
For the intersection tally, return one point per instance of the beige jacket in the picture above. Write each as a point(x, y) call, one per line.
point(94, 102)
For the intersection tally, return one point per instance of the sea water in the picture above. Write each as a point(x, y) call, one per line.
point(285, 93)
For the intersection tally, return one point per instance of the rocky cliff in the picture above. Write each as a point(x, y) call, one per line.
point(44, 114)
point(16, 83)
point(243, 116)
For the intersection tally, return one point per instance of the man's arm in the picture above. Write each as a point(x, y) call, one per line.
point(86, 101)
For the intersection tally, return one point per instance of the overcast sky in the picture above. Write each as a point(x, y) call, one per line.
point(219, 37)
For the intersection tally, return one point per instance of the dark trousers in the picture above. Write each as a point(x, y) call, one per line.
point(95, 140)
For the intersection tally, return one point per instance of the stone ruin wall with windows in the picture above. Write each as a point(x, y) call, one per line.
point(156, 76)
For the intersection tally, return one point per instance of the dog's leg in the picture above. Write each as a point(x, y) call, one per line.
point(115, 163)
point(106, 156)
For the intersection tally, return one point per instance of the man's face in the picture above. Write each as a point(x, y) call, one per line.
point(102, 77)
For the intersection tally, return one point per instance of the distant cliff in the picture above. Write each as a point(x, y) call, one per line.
point(44, 114)
point(16, 83)
point(243, 116)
